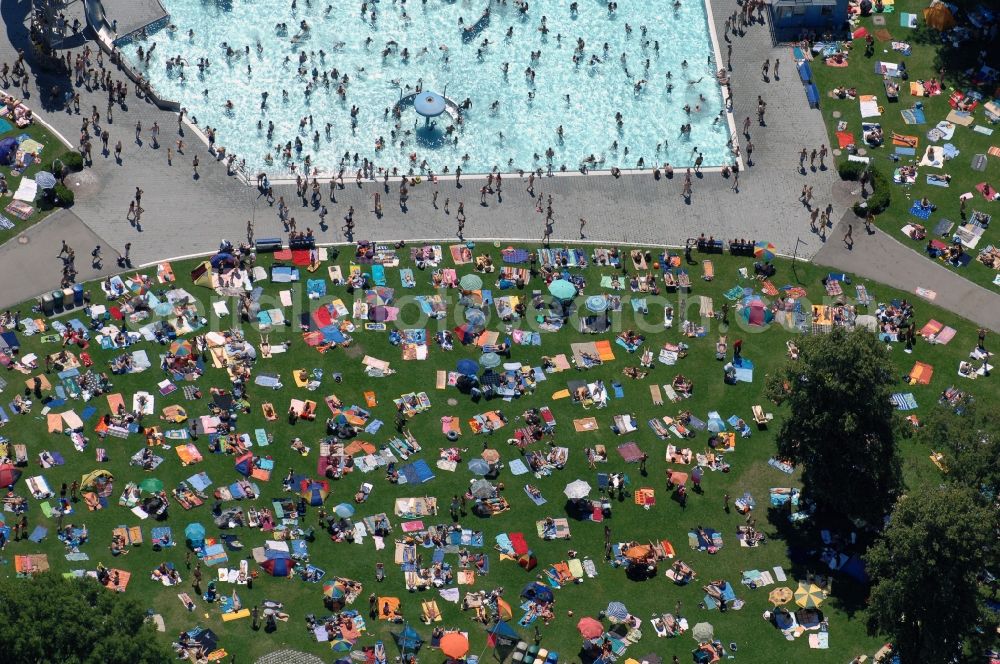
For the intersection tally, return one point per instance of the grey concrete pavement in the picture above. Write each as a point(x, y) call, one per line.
point(29, 264)
point(881, 257)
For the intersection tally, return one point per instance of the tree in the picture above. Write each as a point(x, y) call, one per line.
point(51, 619)
point(925, 564)
point(841, 427)
point(969, 438)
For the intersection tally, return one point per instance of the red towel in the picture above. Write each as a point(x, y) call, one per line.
point(845, 138)
point(519, 543)
point(283, 255)
point(300, 257)
point(322, 317)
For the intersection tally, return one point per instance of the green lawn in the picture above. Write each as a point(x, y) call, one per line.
point(54, 148)
point(757, 640)
point(927, 59)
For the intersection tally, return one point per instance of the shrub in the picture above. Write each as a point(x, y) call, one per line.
point(879, 199)
point(72, 160)
point(63, 195)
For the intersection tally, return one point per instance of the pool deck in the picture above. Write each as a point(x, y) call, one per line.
point(185, 216)
point(133, 15)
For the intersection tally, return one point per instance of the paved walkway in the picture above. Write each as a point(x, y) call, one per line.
point(186, 214)
point(882, 258)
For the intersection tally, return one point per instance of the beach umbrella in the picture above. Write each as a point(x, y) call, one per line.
point(45, 180)
point(315, 492)
point(479, 467)
point(344, 510)
point(181, 348)
point(482, 489)
point(341, 645)
point(764, 250)
point(92, 478)
point(454, 645)
point(597, 303)
point(562, 289)
point(589, 628)
point(490, 455)
point(780, 596)
point(470, 282)
point(678, 478)
point(194, 532)
point(9, 474)
point(577, 489)
point(475, 317)
point(467, 367)
point(703, 632)
point(808, 595)
point(617, 611)
point(490, 360)
point(537, 592)
point(151, 485)
point(332, 590)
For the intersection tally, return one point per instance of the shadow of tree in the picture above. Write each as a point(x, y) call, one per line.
point(50, 73)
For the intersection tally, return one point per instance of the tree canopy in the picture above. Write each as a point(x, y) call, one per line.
point(926, 595)
point(842, 427)
point(51, 619)
point(969, 439)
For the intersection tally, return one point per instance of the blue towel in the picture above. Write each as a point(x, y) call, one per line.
point(920, 212)
point(374, 426)
point(936, 182)
point(38, 534)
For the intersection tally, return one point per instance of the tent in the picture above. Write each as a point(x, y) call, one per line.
point(222, 260)
point(194, 533)
point(939, 17)
point(244, 464)
point(314, 491)
point(95, 479)
point(278, 566)
point(755, 312)
point(503, 635)
point(408, 639)
point(9, 474)
point(537, 592)
point(8, 150)
point(482, 489)
point(201, 275)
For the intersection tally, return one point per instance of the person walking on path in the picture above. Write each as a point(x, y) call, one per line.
point(64, 251)
point(118, 151)
point(749, 153)
point(822, 156)
point(849, 237)
point(764, 68)
point(809, 196)
point(736, 182)
point(583, 222)
point(869, 219)
point(776, 63)
point(802, 160)
point(434, 199)
point(95, 257)
point(461, 227)
point(138, 131)
point(746, 127)
point(194, 165)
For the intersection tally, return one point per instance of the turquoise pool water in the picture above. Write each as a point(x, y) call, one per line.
point(513, 122)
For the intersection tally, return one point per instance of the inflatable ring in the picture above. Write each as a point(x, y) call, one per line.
point(881, 109)
point(416, 180)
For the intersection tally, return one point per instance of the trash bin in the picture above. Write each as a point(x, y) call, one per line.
point(67, 296)
point(48, 306)
point(57, 301)
point(78, 295)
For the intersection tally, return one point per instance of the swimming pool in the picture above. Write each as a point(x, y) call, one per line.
point(513, 122)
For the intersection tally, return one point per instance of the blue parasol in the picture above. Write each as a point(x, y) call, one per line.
point(597, 303)
point(562, 289)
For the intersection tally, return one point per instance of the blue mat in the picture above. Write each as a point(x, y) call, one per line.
point(936, 182)
point(5, 126)
point(316, 287)
point(38, 534)
point(913, 116)
point(920, 212)
point(904, 401)
point(87, 413)
point(909, 152)
point(417, 472)
point(517, 467)
point(744, 370)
